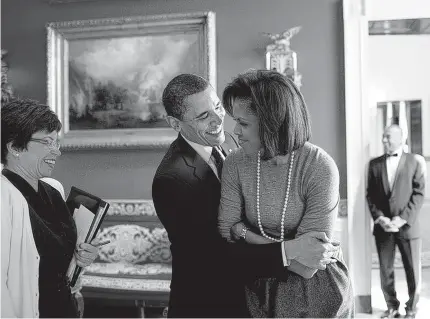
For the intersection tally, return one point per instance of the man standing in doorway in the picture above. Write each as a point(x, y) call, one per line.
point(395, 194)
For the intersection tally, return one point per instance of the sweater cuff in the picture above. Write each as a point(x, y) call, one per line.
point(284, 256)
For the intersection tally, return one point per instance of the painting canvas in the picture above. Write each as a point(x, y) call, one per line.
point(106, 77)
point(118, 83)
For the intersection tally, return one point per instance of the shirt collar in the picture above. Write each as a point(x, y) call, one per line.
point(204, 151)
point(399, 152)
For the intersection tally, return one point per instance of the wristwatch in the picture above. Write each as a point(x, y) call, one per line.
point(243, 233)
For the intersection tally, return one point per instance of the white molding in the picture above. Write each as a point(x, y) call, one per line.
point(132, 284)
point(398, 9)
point(120, 269)
point(358, 236)
point(145, 207)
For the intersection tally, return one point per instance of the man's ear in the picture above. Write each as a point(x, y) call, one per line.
point(174, 123)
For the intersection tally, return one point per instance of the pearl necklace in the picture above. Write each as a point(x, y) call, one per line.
point(284, 210)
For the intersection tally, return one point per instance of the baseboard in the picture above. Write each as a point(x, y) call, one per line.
point(363, 304)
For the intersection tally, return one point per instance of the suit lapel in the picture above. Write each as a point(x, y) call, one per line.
point(385, 182)
point(399, 170)
point(194, 161)
point(198, 165)
point(225, 149)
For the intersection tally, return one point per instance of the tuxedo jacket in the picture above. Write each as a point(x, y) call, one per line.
point(207, 271)
point(404, 200)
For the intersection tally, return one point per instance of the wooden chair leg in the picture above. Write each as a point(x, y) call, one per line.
point(80, 300)
point(140, 304)
point(165, 311)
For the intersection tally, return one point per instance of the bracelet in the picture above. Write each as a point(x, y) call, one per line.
point(243, 233)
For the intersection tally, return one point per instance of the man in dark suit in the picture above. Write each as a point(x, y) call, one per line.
point(395, 194)
point(207, 272)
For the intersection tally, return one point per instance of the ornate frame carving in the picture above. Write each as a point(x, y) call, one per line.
point(67, 1)
point(145, 207)
point(136, 284)
point(131, 207)
point(58, 36)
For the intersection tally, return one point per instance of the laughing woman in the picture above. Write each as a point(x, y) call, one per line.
point(38, 234)
point(278, 187)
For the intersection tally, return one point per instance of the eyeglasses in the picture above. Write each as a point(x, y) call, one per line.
point(52, 144)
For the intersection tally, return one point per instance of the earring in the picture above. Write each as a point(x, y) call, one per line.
point(16, 154)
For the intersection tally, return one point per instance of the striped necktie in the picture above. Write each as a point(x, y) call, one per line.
point(218, 160)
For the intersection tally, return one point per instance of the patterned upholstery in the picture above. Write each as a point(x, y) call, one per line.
point(136, 265)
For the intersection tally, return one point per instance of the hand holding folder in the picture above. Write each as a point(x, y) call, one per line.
point(89, 212)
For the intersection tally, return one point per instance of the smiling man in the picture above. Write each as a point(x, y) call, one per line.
point(208, 273)
point(186, 193)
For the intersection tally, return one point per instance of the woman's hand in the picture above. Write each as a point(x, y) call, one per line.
point(312, 249)
point(85, 253)
point(236, 230)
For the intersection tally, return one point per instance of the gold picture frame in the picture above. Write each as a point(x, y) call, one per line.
point(106, 76)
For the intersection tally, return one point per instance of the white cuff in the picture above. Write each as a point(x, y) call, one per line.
point(285, 261)
point(378, 219)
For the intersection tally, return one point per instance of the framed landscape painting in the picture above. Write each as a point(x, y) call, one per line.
point(106, 77)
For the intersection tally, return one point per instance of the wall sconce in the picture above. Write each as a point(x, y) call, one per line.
point(281, 58)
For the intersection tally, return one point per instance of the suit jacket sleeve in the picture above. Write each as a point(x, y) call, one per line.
point(410, 212)
point(372, 192)
point(172, 203)
point(255, 261)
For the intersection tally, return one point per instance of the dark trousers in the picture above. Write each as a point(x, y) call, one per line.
point(410, 250)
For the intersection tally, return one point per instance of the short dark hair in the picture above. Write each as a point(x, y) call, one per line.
point(178, 89)
point(282, 113)
point(20, 119)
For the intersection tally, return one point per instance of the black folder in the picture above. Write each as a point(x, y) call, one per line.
point(97, 206)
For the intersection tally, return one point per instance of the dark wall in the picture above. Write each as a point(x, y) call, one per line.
point(240, 45)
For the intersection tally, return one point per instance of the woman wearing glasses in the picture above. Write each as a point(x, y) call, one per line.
point(38, 234)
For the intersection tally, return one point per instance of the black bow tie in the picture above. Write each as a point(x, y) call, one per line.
point(389, 155)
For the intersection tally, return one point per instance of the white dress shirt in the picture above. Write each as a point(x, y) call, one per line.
point(392, 165)
point(206, 152)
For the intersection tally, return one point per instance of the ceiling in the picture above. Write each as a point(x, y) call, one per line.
point(404, 26)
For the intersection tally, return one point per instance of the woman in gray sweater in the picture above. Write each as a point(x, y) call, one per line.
point(276, 187)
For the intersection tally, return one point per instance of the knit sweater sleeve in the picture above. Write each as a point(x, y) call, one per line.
point(320, 189)
point(231, 202)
